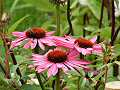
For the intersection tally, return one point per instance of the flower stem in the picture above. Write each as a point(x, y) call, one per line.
point(40, 81)
point(58, 80)
point(58, 19)
point(78, 82)
point(36, 50)
point(106, 71)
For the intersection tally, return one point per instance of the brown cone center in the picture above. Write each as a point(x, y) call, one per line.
point(84, 43)
point(35, 33)
point(57, 56)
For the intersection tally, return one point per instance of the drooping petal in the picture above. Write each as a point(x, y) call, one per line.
point(75, 64)
point(59, 65)
point(70, 38)
point(50, 33)
point(93, 39)
point(82, 50)
point(17, 42)
point(73, 53)
point(83, 62)
point(65, 69)
point(27, 45)
point(19, 34)
point(97, 48)
point(33, 43)
point(52, 70)
point(41, 45)
point(60, 41)
point(41, 70)
point(48, 41)
point(38, 57)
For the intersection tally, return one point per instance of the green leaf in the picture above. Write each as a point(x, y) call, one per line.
point(30, 87)
point(82, 82)
point(94, 6)
point(14, 26)
point(42, 5)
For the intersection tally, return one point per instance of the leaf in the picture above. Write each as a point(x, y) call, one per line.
point(82, 82)
point(30, 87)
point(14, 26)
point(94, 6)
point(106, 33)
point(42, 5)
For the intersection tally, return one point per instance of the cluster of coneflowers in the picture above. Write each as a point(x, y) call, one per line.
point(65, 58)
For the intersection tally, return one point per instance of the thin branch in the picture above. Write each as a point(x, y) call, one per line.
point(115, 35)
point(108, 9)
point(85, 21)
point(69, 18)
point(113, 22)
point(101, 18)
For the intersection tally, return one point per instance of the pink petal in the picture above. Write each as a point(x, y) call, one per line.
point(97, 48)
point(52, 70)
point(50, 33)
point(64, 68)
point(41, 45)
point(59, 65)
point(17, 42)
point(82, 50)
point(75, 64)
point(41, 70)
point(60, 41)
point(27, 45)
point(73, 53)
point(83, 62)
point(67, 64)
point(19, 34)
point(33, 43)
point(38, 57)
point(93, 39)
point(70, 38)
point(48, 41)
point(86, 52)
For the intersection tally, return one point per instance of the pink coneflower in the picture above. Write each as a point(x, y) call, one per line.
point(32, 37)
point(58, 59)
point(81, 44)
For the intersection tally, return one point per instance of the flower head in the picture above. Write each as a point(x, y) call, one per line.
point(58, 59)
point(32, 37)
point(81, 44)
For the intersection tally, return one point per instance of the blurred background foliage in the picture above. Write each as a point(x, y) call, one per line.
point(25, 14)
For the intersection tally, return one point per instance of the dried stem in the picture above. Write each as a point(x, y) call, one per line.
point(113, 22)
point(101, 18)
point(69, 18)
point(85, 21)
point(108, 9)
point(7, 66)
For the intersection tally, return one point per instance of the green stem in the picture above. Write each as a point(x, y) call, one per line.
point(36, 50)
point(78, 82)
point(40, 81)
point(58, 81)
point(58, 19)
